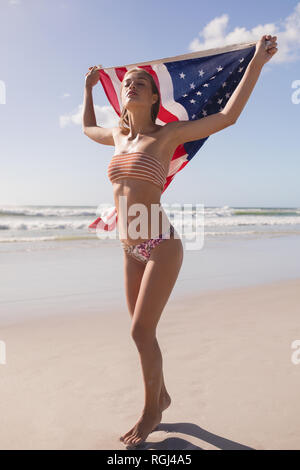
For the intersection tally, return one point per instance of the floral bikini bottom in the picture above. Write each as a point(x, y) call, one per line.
point(142, 251)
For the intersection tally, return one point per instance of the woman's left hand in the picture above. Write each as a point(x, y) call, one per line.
point(265, 51)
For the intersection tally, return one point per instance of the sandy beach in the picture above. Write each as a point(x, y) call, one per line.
point(74, 381)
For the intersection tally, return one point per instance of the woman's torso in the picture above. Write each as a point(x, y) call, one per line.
point(136, 191)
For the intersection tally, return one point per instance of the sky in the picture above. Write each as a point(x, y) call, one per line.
point(46, 48)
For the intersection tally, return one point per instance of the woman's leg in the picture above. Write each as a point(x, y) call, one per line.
point(133, 273)
point(157, 283)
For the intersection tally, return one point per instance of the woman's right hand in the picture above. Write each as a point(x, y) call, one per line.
point(92, 76)
point(265, 49)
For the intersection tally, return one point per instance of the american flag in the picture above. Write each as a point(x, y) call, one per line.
point(192, 86)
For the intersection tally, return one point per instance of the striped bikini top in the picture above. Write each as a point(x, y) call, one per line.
point(137, 165)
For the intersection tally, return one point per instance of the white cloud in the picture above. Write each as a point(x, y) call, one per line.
point(14, 2)
point(66, 95)
point(287, 32)
point(105, 117)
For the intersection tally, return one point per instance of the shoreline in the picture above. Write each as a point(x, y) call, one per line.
point(84, 277)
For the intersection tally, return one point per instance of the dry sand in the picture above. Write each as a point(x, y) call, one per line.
point(74, 381)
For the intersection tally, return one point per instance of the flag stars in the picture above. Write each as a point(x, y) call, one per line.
point(199, 104)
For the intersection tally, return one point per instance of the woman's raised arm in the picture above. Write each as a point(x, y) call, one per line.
point(264, 52)
point(89, 124)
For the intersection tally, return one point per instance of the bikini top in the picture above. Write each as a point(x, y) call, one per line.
point(137, 165)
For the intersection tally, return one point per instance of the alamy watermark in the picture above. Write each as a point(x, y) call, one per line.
point(2, 92)
point(133, 222)
point(295, 358)
point(296, 94)
point(2, 352)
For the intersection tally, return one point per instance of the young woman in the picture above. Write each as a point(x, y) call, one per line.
point(143, 151)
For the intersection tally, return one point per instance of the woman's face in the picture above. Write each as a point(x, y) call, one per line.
point(141, 90)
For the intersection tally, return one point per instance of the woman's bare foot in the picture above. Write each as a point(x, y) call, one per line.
point(164, 402)
point(146, 423)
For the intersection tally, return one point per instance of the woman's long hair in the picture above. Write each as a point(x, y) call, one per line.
point(124, 121)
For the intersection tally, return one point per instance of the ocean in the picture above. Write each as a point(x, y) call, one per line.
point(30, 224)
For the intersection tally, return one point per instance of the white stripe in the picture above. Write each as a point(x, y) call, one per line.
point(158, 165)
point(160, 122)
point(141, 176)
point(117, 169)
point(176, 163)
point(167, 93)
point(143, 170)
point(192, 55)
point(138, 176)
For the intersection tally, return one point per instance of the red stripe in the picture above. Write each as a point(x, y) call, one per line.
point(179, 152)
point(110, 91)
point(120, 72)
